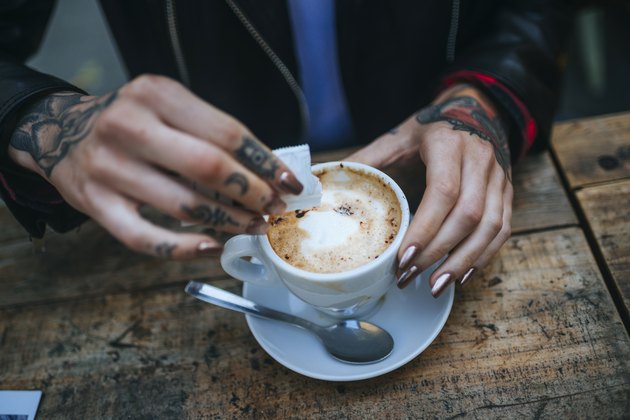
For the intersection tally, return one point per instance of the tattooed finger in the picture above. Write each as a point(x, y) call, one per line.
point(238, 179)
point(118, 214)
point(213, 216)
point(218, 218)
point(165, 249)
point(260, 160)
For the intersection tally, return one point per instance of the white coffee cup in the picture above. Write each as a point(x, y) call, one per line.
point(344, 294)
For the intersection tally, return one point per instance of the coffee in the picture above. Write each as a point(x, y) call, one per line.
point(357, 220)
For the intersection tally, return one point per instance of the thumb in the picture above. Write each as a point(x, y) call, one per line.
point(372, 154)
point(392, 147)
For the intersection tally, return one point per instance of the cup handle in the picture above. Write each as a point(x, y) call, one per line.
point(247, 246)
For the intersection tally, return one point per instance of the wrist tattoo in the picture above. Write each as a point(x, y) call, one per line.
point(238, 179)
point(257, 158)
point(50, 130)
point(213, 216)
point(465, 113)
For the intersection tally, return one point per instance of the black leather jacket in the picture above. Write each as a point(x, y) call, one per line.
point(238, 55)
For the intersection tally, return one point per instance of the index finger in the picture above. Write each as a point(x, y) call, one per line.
point(181, 109)
point(443, 187)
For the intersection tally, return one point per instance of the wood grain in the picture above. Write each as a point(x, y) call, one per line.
point(607, 210)
point(534, 335)
point(87, 262)
point(593, 150)
point(539, 200)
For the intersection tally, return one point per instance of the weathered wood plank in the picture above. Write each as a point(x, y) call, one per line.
point(593, 150)
point(88, 262)
point(535, 334)
point(539, 200)
point(607, 210)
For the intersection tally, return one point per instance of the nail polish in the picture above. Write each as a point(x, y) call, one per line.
point(208, 248)
point(406, 277)
point(467, 276)
point(440, 284)
point(258, 226)
point(407, 256)
point(290, 183)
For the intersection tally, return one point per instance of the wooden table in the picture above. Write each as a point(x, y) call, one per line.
point(542, 331)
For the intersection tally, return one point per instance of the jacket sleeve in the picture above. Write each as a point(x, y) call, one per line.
point(33, 201)
point(517, 61)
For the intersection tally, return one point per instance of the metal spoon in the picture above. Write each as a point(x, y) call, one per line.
point(350, 340)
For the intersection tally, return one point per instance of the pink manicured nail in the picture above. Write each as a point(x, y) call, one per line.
point(290, 183)
point(406, 277)
point(440, 284)
point(407, 256)
point(467, 276)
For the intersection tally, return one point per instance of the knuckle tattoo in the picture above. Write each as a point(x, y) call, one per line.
point(239, 180)
point(256, 158)
point(214, 216)
point(165, 249)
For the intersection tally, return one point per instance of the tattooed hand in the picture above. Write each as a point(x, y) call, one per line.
point(152, 142)
point(466, 208)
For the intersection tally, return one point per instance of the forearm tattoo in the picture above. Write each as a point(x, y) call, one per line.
point(212, 216)
point(465, 113)
point(50, 130)
point(257, 158)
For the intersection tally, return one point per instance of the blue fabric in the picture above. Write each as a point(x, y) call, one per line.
point(315, 35)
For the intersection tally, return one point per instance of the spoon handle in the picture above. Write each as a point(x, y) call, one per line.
point(225, 299)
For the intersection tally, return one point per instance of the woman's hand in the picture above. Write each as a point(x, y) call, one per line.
point(151, 142)
point(466, 208)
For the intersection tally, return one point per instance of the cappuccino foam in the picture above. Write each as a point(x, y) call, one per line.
point(357, 220)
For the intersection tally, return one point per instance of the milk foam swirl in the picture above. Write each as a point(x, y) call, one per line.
point(358, 218)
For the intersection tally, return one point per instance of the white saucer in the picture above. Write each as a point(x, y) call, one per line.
point(412, 316)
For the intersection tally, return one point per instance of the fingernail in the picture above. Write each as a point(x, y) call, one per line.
point(406, 277)
point(208, 248)
point(407, 256)
point(258, 226)
point(290, 183)
point(440, 284)
point(275, 206)
point(467, 276)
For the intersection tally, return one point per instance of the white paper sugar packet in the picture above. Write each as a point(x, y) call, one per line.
point(298, 159)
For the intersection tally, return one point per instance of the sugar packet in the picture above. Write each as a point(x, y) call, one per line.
point(298, 159)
